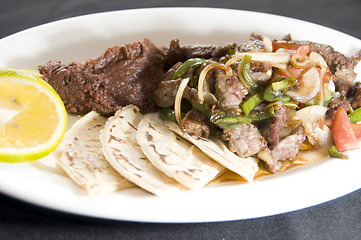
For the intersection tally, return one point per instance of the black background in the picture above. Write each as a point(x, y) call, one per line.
point(337, 219)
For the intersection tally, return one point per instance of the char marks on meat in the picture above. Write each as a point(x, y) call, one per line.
point(229, 90)
point(286, 149)
point(122, 75)
point(196, 124)
point(245, 140)
point(176, 53)
point(356, 101)
point(279, 120)
point(255, 42)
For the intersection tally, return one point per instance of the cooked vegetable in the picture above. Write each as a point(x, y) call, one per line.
point(283, 84)
point(178, 99)
point(232, 122)
point(307, 86)
point(202, 78)
point(167, 114)
point(334, 152)
point(246, 67)
point(228, 121)
point(201, 108)
point(273, 96)
point(355, 116)
point(251, 103)
point(261, 115)
point(186, 66)
point(343, 134)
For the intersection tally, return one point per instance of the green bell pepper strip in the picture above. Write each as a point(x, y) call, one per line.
point(355, 116)
point(334, 152)
point(273, 96)
point(283, 84)
point(251, 103)
point(184, 68)
point(261, 115)
point(232, 122)
point(201, 108)
point(167, 114)
point(246, 68)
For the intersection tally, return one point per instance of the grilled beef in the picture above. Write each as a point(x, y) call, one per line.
point(122, 75)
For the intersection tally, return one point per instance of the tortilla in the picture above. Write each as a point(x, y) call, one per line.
point(122, 151)
point(81, 157)
point(218, 151)
point(173, 155)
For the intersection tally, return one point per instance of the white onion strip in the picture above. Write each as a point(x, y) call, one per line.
point(178, 99)
point(274, 59)
point(202, 78)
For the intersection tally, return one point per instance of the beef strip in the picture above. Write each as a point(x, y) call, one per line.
point(176, 53)
point(260, 72)
point(122, 75)
point(245, 140)
point(229, 90)
point(74, 83)
point(196, 123)
point(336, 103)
point(166, 91)
point(356, 101)
point(286, 149)
point(255, 42)
point(275, 128)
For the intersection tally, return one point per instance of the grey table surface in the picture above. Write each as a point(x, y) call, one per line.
point(336, 219)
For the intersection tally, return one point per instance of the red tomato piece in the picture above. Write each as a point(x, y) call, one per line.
point(356, 129)
point(343, 134)
point(284, 44)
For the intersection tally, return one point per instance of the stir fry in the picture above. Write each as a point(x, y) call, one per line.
point(270, 102)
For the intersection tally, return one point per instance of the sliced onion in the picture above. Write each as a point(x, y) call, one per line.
point(307, 87)
point(267, 43)
point(310, 117)
point(318, 60)
point(274, 59)
point(300, 61)
point(178, 99)
point(202, 78)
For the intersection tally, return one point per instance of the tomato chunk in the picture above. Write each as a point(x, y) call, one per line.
point(356, 129)
point(343, 133)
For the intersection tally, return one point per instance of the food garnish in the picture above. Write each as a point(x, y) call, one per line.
point(33, 117)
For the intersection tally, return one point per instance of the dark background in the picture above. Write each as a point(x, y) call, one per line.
point(337, 219)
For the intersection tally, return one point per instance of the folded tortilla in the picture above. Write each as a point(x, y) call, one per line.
point(173, 155)
point(122, 151)
point(218, 151)
point(81, 157)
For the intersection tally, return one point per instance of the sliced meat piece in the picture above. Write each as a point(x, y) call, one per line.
point(261, 72)
point(164, 95)
point(229, 90)
point(176, 53)
point(122, 75)
point(74, 83)
point(356, 101)
point(255, 43)
point(284, 150)
point(279, 121)
point(196, 124)
point(245, 140)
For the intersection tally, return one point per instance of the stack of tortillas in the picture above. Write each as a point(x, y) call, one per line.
point(130, 149)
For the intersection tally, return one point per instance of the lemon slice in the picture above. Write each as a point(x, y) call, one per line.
point(32, 117)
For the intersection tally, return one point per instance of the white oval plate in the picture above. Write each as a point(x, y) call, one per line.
point(80, 38)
